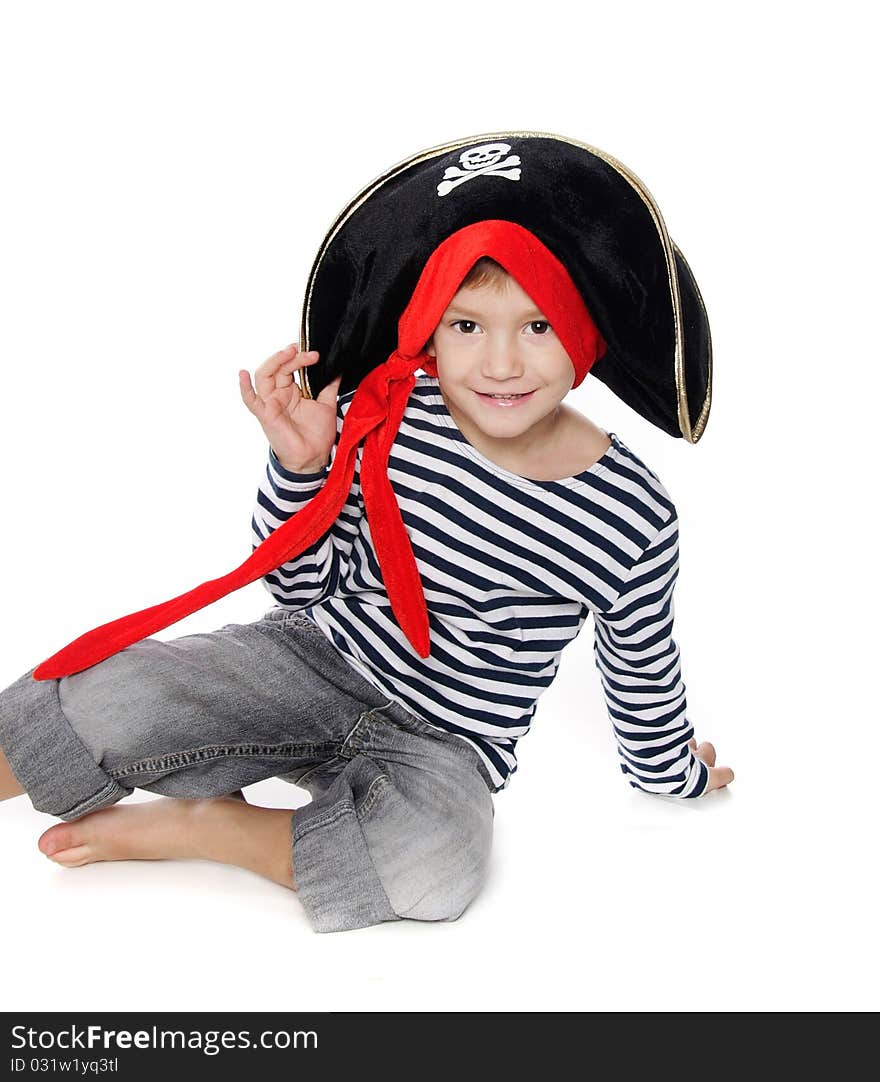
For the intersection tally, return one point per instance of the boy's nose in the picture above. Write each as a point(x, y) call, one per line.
point(501, 360)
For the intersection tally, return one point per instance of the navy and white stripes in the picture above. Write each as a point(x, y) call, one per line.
point(511, 568)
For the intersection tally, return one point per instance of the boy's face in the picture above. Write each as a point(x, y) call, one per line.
point(499, 343)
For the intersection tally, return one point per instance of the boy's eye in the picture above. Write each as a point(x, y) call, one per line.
point(540, 323)
point(465, 325)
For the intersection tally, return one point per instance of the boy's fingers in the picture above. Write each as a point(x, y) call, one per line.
point(705, 752)
point(248, 396)
point(272, 363)
point(278, 370)
point(295, 396)
point(300, 361)
point(264, 376)
point(330, 393)
point(284, 375)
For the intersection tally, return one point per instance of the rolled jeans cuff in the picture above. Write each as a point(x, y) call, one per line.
point(67, 782)
point(333, 871)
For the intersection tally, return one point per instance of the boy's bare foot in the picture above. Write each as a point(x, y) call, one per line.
point(224, 829)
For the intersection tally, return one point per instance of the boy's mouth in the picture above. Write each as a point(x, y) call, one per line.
point(505, 400)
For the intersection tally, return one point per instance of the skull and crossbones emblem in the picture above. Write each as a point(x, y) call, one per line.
point(481, 161)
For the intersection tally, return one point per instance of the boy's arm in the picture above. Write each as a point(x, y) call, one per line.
point(314, 573)
point(640, 667)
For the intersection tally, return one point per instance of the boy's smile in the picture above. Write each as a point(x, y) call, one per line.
point(502, 372)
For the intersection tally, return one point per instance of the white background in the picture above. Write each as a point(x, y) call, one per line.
point(169, 171)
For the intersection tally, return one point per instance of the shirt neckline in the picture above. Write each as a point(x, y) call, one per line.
point(575, 481)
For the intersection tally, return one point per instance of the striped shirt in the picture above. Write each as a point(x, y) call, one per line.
point(511, 568)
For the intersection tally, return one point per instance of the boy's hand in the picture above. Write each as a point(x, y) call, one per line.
point(301, 430)
point(719, 776)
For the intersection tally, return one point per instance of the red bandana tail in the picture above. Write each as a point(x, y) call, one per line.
point(373, 416)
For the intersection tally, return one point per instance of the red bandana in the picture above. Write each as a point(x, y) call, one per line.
point(374, 417)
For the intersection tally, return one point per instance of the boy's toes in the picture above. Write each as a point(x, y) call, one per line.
point(73, 858)
point(55, 839)
point(65, 845)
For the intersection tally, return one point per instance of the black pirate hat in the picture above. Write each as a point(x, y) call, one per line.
point(591, 212)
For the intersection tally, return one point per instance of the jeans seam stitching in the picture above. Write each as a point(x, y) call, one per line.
point(194, 756)
point(377, 787)
point(361, 717)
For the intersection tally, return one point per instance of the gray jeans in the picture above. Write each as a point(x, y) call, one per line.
point(400, 822)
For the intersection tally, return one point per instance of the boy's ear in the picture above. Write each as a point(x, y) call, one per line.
point(429, 347)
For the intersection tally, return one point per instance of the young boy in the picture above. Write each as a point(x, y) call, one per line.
point(520, 514)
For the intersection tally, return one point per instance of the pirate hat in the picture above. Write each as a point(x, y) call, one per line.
point(584, 239)
point(589, 209)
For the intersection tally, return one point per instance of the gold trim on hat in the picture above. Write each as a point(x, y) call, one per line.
point(692, 434)
point(707, 401)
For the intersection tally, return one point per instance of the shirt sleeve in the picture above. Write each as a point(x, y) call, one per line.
point(640, 666)
point(315, 573)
